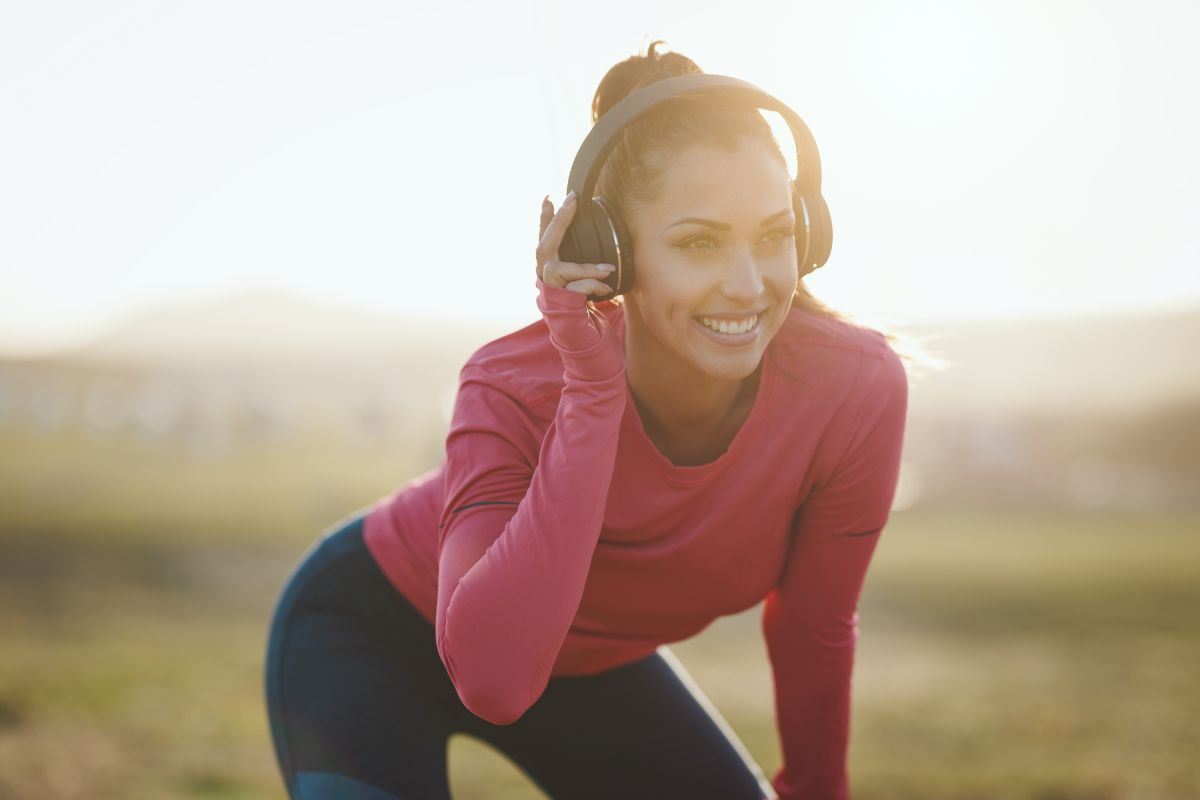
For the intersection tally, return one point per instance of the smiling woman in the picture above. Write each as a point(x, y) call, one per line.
point(618, 474)
point(690, 182)
point(712, 291)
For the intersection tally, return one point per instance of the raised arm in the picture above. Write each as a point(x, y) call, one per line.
point(522, 516)
point(810, 620)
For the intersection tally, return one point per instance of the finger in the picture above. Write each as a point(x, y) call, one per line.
point(560, 273)
point(547, 215)
point(556, 228)
point(547, 248)
point(590, 287)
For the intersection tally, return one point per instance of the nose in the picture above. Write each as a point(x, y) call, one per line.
point(744, 281)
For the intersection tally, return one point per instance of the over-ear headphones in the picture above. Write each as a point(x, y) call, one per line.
point(597, 235)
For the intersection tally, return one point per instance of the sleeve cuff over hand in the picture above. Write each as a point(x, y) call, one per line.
point(579, 334)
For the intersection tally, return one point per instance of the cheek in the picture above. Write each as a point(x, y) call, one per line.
point(784, 276)
point(668, 313)
point(659, 269)
point(668, 289)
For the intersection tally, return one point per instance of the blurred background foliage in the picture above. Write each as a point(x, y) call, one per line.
point(1029, 628)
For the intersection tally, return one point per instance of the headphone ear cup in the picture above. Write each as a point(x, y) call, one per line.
point(822, 227)
point(617, 246)
point(581, 243)
point(812, 252)
point(803, 235)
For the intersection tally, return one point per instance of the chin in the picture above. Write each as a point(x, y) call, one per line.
point(735, 372)
point(729, 356)
point(729, 367)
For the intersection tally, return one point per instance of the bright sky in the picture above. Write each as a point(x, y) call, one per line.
point(981, 159)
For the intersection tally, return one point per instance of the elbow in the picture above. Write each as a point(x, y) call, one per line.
point(483, 695)
point(492, 705)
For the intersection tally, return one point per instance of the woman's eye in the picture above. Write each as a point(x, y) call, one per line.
point(774, 237)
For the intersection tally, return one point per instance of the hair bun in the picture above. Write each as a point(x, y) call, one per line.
point(638, 71)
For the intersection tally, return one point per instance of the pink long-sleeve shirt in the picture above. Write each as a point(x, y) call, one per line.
point(555, 539)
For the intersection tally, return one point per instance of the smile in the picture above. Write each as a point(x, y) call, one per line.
point(730, 326)
point(729, 333)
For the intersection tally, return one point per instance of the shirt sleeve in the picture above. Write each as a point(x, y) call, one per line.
point(810, 619)
point(523, 514)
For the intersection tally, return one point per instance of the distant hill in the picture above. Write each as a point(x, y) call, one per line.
point(1093, 412)
point(275, 327)
point(1093, 364)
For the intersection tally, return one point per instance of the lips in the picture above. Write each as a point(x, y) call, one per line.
point(734, 316)
point(729, 326)
point(730, 339)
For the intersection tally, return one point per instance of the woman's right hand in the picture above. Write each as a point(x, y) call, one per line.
point(584, 278)
point(583, 336)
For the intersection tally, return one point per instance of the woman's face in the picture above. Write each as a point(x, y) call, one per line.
point(717, 248)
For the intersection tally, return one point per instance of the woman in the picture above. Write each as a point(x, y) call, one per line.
point(618, 474)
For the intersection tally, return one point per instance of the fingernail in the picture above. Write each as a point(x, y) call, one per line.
point(606, 267)
point(570, 197)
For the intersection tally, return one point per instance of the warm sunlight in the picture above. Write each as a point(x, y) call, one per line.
point(320, 476)
point(975, 157)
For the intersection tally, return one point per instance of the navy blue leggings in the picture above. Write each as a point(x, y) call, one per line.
point(360, 705)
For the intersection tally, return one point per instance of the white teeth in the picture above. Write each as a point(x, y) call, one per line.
point(724, 326)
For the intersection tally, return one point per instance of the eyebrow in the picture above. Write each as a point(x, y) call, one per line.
point(723, 226)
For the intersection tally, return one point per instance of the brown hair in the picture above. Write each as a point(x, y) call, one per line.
point(632, 173)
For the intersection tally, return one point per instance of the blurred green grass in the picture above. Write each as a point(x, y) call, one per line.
point(1012, 655)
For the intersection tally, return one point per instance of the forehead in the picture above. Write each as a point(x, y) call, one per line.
point(749, 181)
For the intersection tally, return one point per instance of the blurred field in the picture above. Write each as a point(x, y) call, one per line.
point(1049, 656)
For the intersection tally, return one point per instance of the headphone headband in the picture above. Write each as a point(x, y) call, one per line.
point(603, 136)
point(598, 234)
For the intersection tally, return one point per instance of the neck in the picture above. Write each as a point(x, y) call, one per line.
point(673, 397)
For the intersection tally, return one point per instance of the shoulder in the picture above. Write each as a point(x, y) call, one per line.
point(523, 364)
point(844, 380)
point(818, 352)
point(841, 377)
